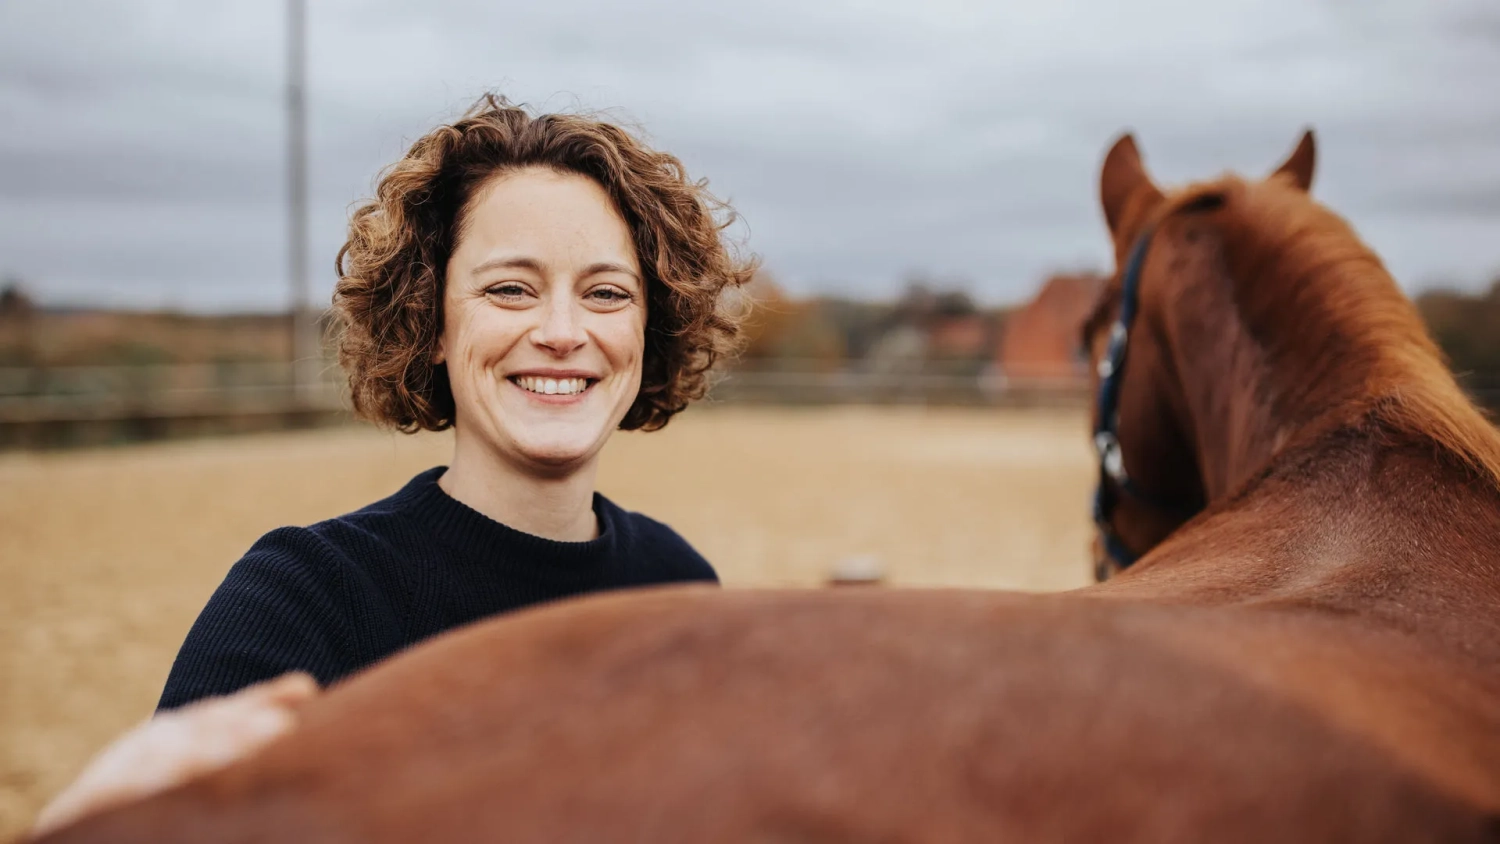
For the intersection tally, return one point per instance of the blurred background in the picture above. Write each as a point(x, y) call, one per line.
point(920, 180)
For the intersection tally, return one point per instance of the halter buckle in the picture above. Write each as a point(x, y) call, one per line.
point(1117, 334)
point(1111, 459)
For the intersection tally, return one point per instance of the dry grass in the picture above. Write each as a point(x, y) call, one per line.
point(106, 556)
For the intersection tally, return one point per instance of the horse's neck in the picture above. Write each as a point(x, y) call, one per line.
point(1224, 376)
point(1353, 454)
point(1278, 340)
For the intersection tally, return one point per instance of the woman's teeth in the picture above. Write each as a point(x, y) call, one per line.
point(551, 386)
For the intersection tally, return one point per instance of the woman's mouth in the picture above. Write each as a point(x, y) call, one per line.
point(552, 386)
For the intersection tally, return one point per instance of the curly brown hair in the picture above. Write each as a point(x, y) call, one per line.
point(389, 299)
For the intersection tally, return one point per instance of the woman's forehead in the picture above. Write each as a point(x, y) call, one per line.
point(549, 217)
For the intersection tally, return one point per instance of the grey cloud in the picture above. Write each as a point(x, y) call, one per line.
point(1477, 200)
point(125, 174)
point(141, 147)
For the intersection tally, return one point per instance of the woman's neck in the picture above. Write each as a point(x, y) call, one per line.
point(558, 507)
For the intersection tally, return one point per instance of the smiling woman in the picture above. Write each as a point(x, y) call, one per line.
point(545, 310)
point(534, 282)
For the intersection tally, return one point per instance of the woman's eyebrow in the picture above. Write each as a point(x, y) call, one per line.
point(536, 266)
point(508, 263)
point(609, 267)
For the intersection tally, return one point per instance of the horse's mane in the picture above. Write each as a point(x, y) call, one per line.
point(1313, 293)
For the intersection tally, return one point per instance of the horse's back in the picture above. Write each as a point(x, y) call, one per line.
point(691, 714)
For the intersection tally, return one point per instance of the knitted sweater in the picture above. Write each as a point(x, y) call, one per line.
point(335, 597)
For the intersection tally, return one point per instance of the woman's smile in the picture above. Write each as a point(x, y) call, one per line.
point(554, 388)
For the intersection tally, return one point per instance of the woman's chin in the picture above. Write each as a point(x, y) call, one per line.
point(557, 456)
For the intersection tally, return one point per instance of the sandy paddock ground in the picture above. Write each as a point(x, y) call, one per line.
point(106, 556)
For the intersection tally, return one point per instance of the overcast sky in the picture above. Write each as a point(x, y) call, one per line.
point(142, 141)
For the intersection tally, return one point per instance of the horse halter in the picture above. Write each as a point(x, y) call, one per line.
point(1106, 429)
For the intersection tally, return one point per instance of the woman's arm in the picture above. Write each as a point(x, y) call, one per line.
point(176, 746)
point(282, 612)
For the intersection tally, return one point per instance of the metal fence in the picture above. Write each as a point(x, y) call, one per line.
point(82, 405)
point(172, 390)
point(42, 407)
point(68, 406)
point(806, 383)
point(102, 392)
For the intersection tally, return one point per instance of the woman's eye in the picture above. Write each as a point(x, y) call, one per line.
point(507, 291)
point(608, 294)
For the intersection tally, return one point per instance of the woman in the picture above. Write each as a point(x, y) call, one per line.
point(534, 283)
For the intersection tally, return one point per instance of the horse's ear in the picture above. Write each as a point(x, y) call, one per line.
point(1299, 165)
point(1122, 177)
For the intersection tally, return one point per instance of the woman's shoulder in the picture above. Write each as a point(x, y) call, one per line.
point(300, 599)
point(356, 535)
point(330, 552)
point(656, 544)
point(415, 495)
point(281, 607)
point(294, 559)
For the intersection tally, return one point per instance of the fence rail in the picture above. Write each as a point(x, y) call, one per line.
point(127, 392)
point(100, 392)
point(916, 385)
point(65, 405)
point(62, 406)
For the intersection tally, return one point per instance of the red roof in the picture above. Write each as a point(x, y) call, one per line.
point(1041, 339)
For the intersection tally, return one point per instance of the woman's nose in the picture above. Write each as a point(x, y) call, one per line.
point(561, 328)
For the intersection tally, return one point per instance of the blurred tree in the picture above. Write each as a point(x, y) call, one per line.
point(13, 299)
point(781, 328)
point(860, 324)
point(770, 315)
point(17, 324)
point(955, 303)
point(811, 337)
point(1467, 326)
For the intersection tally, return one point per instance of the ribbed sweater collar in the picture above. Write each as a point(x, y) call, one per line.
point(477, 536)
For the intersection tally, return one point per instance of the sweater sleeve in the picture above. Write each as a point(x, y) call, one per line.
point(669, 558)
point(281, 608)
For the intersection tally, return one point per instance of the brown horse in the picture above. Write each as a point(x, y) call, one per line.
point(1310, 656)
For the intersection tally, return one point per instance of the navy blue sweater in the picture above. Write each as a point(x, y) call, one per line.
point(335, 597)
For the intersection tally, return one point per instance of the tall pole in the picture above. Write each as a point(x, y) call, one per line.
point(300, 350)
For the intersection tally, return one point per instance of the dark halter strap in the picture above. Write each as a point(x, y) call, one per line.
point(1106, 430)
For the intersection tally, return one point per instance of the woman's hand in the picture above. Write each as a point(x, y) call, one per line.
point(176, 746)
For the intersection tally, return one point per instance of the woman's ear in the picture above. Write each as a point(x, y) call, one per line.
point(440, 347)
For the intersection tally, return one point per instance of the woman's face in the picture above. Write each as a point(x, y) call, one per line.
point(544, 321)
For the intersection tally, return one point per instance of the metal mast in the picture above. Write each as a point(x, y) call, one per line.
point(301, 347)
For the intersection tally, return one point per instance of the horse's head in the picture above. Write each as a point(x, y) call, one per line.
point(1151, 478)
